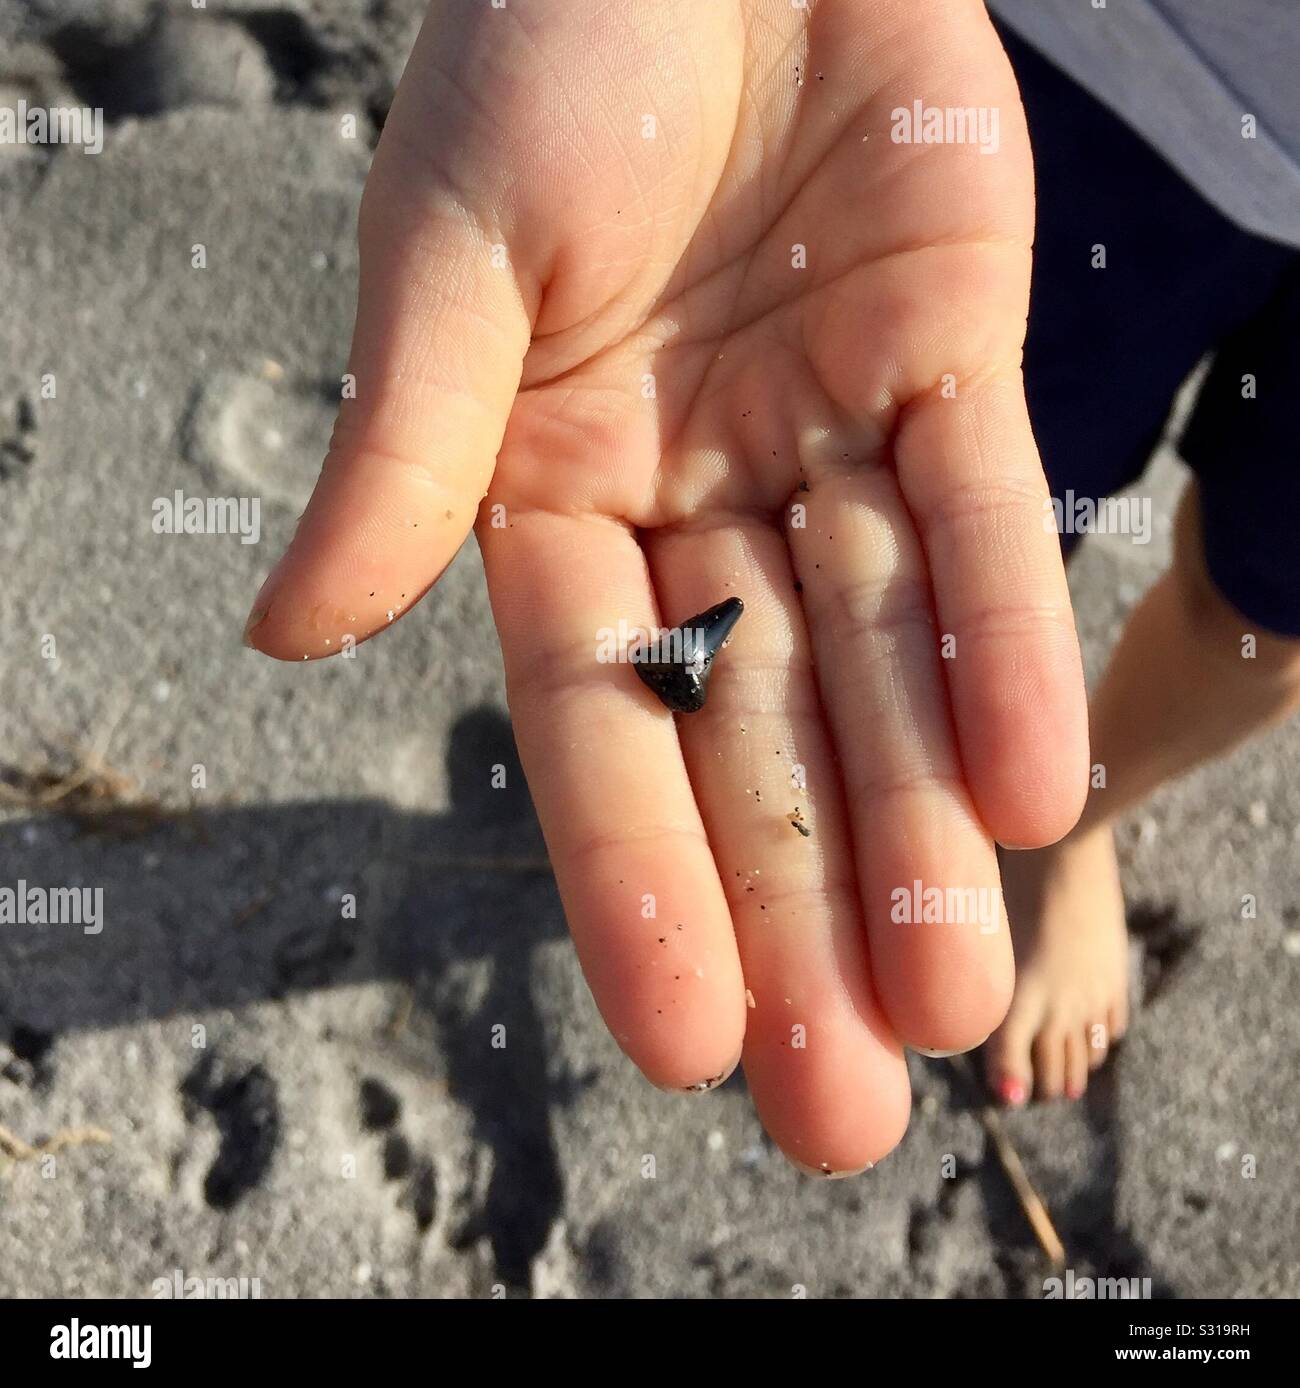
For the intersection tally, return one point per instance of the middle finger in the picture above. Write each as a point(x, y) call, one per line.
point(825, 1070)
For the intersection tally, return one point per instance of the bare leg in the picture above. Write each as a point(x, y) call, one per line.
point(1181, 689)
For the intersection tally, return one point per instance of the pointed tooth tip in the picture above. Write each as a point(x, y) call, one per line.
point(718, 621)
point(720, 611)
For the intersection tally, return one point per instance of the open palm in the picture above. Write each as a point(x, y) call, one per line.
point(652, 292)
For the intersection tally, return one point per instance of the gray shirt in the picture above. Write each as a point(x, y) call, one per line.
point(1186, 75)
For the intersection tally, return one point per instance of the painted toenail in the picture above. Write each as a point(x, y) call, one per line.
point(1012, 1091)
point(677, 668)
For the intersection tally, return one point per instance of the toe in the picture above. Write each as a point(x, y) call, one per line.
point(1007, 1065)
point(1117, 1021)
point(1048, 1051)
point(1076, 1063)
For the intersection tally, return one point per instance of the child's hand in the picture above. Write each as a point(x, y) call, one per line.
point(656, 280)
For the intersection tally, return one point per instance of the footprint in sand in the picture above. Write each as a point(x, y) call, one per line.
point(261, 433)
point(381, 1112)
point(179, 60)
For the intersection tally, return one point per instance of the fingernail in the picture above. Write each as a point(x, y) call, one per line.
point(825, 1172)
point(262, 602)
point(1074, 1091)
point(703, 1086)
point(1014, 847)
point(255, 618)
point(713, 1082)
point(1012, 1092)
point(936, 1054)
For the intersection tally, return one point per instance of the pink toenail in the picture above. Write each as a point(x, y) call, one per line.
point(1012, 1091)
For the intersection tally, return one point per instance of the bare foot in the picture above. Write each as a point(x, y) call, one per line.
point(1071, 1000)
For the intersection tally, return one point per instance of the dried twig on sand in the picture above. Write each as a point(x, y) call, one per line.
point(13, 1147)
point(1035, 1208)
point(81, 785)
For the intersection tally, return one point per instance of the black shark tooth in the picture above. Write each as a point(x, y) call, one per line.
point(676, 666)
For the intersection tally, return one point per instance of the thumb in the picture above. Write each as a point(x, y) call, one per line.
point(437, 351)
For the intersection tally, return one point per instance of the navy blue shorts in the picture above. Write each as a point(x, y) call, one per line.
point(1107, 349)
